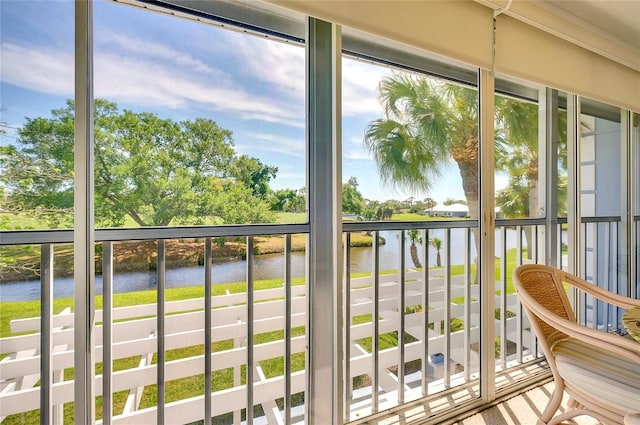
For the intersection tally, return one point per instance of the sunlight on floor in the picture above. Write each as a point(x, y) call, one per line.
point(521, 410)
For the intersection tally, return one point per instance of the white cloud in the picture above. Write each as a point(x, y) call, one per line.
point(280, 64)
point(275, 144)
point(146, 74)
point(359, 88)
point(44, 70)
point(125, 46)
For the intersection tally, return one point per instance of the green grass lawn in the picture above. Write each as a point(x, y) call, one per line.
point(28, 221)
point(194, 385)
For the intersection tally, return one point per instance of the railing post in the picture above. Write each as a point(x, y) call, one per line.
point(249, 372)
point(208, 322)
point(160, 332)
point(107, 335)
point(46, 334)
point(425, 313)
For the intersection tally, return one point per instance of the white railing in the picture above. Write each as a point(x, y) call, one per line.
point(440, 323)
point(134, 334)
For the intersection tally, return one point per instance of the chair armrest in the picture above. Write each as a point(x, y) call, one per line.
point(598, 292)
point(620, 345)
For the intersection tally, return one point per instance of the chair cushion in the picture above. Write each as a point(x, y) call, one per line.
point(613, 379)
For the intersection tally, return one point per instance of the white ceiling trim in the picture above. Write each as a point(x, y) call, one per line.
point(562, 25)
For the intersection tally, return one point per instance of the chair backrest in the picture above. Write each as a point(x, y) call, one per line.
point(537, 283)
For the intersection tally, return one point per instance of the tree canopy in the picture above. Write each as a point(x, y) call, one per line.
point(427, 123)
point(154, 170)
point(352, 199)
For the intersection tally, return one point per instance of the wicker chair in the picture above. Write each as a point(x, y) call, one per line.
point(599, 371)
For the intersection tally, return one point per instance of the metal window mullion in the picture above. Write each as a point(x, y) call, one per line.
point(375, 338)
point(287, 329)
point(46, 334)
point(425, 311)
point(348, 383)
point(447, 309)
point(401, 308)
point(324, 395)
point(208, 323)
point(574, 186)
point(503, 297)
point(107, 332)
point(632, 169)
point(486, 232)
point(626, 178)
point(575, 228)
point(250, 331)
point(83, 239)
point(551, 178)
point(160, 333)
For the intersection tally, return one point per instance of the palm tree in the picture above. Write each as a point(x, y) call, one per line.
point(414, 237)
point(425, 123)
point(436, 243)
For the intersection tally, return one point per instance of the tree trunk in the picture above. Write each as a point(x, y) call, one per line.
point(466, 156)
point(414, 255)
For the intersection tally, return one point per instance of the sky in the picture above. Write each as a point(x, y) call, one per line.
point(182, 69)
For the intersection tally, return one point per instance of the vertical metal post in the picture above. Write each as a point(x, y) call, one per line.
point(324, 328)
point(447, 309)
point(574, 186)
point(250, 333)
point(626, 184)
point(83, 239)
point(107, 337)
point(46, 333)
point(287, 329)
point(632, 194)
point(160, 306)
point(208, 322)
point(520, 316)
point(551, 177)
point(401, 308)
point(486, 224)
point(348, 383)
point(503, 297)
point(375, 322)
point(467, 304)
point(575, 227)
point(425, 313)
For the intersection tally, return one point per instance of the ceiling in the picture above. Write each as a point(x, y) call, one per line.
point(610, 28)
point(619, 19)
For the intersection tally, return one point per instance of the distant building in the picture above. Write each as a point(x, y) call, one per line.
point(453, 210)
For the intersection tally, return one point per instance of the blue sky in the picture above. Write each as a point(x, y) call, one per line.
point(183, 69)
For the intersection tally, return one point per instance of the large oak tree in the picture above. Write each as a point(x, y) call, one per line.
point(155, 170)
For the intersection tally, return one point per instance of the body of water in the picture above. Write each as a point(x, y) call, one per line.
point(270, 266)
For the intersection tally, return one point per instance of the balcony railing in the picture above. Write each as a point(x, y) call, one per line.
point(413, 332)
